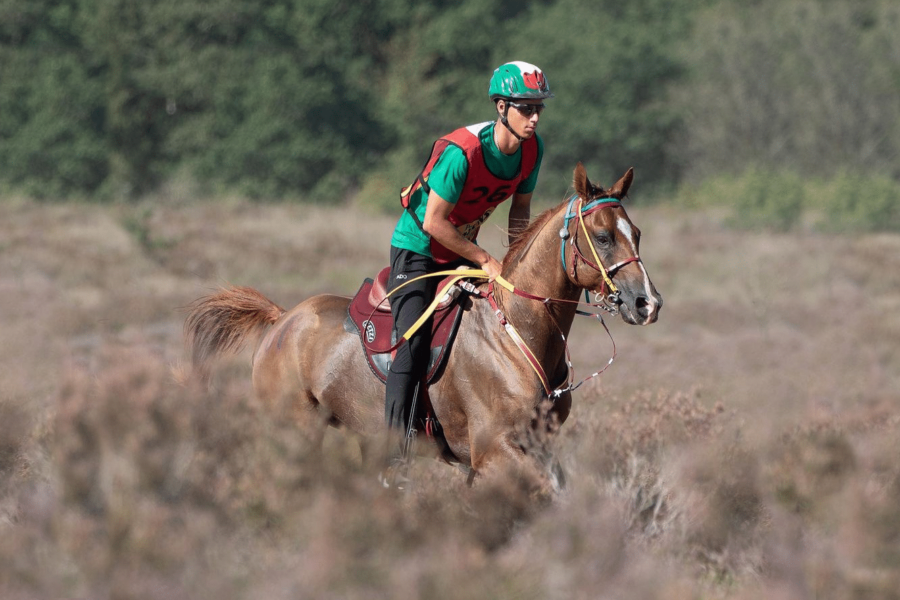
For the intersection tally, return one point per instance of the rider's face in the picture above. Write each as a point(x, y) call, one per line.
point(523, 123)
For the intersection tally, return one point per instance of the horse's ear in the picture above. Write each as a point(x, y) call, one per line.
point(583, 185)
point(580, 181)
point(620, 189)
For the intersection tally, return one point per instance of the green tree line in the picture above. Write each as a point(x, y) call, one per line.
point(317, 99)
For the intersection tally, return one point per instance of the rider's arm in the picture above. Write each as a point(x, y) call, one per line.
point(437, 224)
point(520, 210)
point(519, 214)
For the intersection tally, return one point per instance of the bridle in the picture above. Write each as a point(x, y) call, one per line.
point(607, 297)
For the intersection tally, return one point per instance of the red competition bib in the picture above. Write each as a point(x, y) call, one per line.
point(482, 191)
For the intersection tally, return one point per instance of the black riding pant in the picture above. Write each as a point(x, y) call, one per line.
point(407, 305)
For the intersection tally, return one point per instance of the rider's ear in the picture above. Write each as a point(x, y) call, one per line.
point(499, 107)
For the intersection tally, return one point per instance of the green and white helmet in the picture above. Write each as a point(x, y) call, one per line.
point(519, 79)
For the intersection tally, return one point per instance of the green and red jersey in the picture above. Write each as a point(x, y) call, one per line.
point(466, 169)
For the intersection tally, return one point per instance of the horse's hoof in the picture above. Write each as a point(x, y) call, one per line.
point(396, 475)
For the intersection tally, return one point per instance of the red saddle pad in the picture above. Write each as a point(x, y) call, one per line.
point(369, 317)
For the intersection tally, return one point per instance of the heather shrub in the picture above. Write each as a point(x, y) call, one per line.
point(645, 425)
point(163, 489)
point(721, 507)
point(809, 468)
point(629, 444)
point(15, 466)
point(779, 480)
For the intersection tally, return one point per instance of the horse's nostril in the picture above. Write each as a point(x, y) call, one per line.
point(643, 306)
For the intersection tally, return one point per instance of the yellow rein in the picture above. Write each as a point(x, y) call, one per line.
point(457, 275)
point(612, 287)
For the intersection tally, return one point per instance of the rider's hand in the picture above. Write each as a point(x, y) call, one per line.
point(491, 267)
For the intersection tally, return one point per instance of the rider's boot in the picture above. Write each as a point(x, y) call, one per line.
point(395, 474)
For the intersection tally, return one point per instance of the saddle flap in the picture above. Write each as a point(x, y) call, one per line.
point(374, 325)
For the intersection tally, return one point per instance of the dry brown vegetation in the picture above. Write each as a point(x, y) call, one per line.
point(745, 446)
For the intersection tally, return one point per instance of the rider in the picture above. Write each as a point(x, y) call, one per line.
point(469, 173)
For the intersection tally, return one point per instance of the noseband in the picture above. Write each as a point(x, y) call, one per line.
point(608, 293)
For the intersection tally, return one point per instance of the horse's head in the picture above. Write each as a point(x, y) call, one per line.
point(605, 246)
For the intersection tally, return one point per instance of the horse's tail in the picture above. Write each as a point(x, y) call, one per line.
point(222, 321)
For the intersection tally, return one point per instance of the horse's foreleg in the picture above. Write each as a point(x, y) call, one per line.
point(505, 457)
point(524, 451)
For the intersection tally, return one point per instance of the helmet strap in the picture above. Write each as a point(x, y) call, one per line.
point(505, 121)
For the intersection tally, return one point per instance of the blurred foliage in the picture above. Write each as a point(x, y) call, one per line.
point(610, 64)
point(308, 98)
point(803, 85)
point(778, 199)
point(757, 198)
point(768, 200)
point(860, 203)
point(51, 103)
point(320, 100)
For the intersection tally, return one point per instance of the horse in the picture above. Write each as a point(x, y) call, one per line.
point(493, 386)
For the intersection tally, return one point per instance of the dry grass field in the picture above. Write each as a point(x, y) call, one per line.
point(746, 446)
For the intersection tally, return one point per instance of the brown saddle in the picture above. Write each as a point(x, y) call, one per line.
point(369, 316)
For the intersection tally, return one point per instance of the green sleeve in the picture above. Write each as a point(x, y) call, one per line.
point(449, 174)
point(527, 186)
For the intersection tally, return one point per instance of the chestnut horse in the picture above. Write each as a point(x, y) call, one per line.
point(489, 391)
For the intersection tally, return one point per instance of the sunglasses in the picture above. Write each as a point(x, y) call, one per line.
point(527, 109)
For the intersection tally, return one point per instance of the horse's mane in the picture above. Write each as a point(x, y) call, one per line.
point(525, 236)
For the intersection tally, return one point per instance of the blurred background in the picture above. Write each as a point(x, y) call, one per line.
point(325, 101)
point(745, 446)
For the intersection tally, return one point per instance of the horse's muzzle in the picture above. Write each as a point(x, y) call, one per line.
point(642, 309)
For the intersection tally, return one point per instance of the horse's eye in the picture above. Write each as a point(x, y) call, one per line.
point(602, 238)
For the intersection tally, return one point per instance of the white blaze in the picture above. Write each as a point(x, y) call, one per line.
point(626, 230)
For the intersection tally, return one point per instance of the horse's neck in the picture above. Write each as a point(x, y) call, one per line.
point(538, 270)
